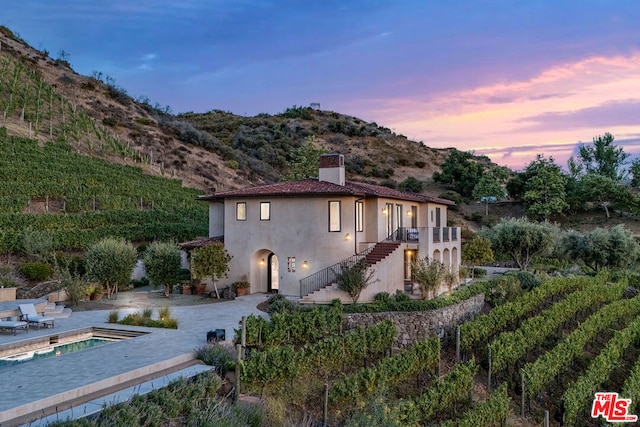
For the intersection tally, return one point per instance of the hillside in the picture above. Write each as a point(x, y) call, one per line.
point(43, 98)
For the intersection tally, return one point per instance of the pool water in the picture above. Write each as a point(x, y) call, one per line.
point(52, 351)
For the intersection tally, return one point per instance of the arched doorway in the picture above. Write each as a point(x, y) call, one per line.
point(454, 259)
point(436, 255)
point(446, 258)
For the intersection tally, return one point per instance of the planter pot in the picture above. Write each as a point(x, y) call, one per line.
point(8, 294)
point(186, 289)
point(96, 297)
point(242, 291)
point(199, 288)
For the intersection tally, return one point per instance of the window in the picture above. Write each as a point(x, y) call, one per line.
point(265, 211)
point(398, 218)
point(241, 211)
point(438, 217)
point(334, 215)
point(359, 216)
point(414, 216)
point(291, 264)
point(389, 220)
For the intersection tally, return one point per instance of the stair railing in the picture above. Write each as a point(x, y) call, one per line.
point(329, 275)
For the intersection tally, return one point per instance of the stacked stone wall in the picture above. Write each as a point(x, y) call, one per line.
point(419, 325)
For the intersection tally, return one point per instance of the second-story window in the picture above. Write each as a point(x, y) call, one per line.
point(265, 211)
point(334, 215)
point(241, 211)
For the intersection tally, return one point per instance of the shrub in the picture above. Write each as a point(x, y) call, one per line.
point(110, 121)
point(401, 296)
point(36, 271)
point(454, 196)
point(503, 289)
point(139, 283)
point(113, 316)
point(217, 355)
point(527, 280)
point(280, 304)
point(479, 272)
point(382, 297)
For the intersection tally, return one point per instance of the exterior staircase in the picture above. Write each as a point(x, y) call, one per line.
point(380, 251)
point(56, 311)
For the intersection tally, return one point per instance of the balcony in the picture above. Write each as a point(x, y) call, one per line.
point(425, 234)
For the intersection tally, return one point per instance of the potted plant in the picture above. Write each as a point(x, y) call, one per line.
point(97, 293)
point(88, 292)
point(241, 287)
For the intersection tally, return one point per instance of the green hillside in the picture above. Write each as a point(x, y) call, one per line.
point(77, 199)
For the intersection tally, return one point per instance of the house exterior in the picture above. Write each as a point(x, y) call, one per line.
point(295, 237)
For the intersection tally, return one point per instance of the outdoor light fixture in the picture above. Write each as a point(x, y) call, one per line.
point(384, 211)
point(262, 261)
point(305, 264)
point(347, 237)
point(409, 213)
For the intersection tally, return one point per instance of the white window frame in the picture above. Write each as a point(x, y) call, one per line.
point(334, 217)
point(241, 211)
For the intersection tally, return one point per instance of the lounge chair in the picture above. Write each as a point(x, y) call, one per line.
point(13, 326)
point(30, 315)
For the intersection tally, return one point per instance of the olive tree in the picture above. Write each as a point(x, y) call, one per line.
point(210, 261)
point(521, 240)
point(162, 263)
point(429, 274)
point(110, 262)
point(601, 247)
point(354, 279)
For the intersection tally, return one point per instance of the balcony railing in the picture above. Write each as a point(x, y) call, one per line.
point(438, 234)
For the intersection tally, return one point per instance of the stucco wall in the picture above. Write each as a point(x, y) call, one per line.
point(420, 325)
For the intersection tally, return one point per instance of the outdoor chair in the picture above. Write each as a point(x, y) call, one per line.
point(13, 326)
point(30, 315)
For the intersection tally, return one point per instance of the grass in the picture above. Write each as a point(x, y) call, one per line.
point(164, 319)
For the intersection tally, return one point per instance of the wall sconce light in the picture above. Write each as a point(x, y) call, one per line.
point(409, 213)
point(347, 237)
point(262, 262)
point(409, 252)
point(384, 211)
point(305, 264)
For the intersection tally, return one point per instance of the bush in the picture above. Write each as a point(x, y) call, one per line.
point(503, 289)
point(36, 271)
point(454, 196)
point(382, 297)
point(479, 272)
point(113, 316)
point(219, 356)
point(280, 304)
point(401, 297)
point(527, 280)
point(140, 283)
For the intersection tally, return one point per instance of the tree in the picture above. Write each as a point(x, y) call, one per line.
point(305, 160)
point(110, 262)
point(491, 186)
point(477, 251)
point(521, 240)
point(354, 279)
point(603, 157)
point(461, 171)
point(601, 247)
point(162, 263)
point(544, 190)
point(411, 185)
point(429, 275)
point(210, 261)
point(634, 169)
point(602, 191)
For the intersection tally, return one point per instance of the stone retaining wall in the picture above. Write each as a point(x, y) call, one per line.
point(419, 325)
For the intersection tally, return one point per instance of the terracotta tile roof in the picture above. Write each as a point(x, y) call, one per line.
point(313, 187)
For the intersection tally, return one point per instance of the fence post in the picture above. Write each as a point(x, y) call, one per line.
point(325, 407)
point(458, 344)
point(546, 418)
point(238, 361)
point(522, 389)
point(243, 337)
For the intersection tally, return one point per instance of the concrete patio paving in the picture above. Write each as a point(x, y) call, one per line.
point(29, 386)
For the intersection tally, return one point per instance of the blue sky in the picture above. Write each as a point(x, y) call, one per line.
point(509, 79)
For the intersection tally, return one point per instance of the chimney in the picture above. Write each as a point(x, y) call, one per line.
point(332, 168)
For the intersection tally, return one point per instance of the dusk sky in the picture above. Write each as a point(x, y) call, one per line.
point(509, 79)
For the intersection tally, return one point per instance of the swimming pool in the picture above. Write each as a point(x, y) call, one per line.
point(60, 344)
